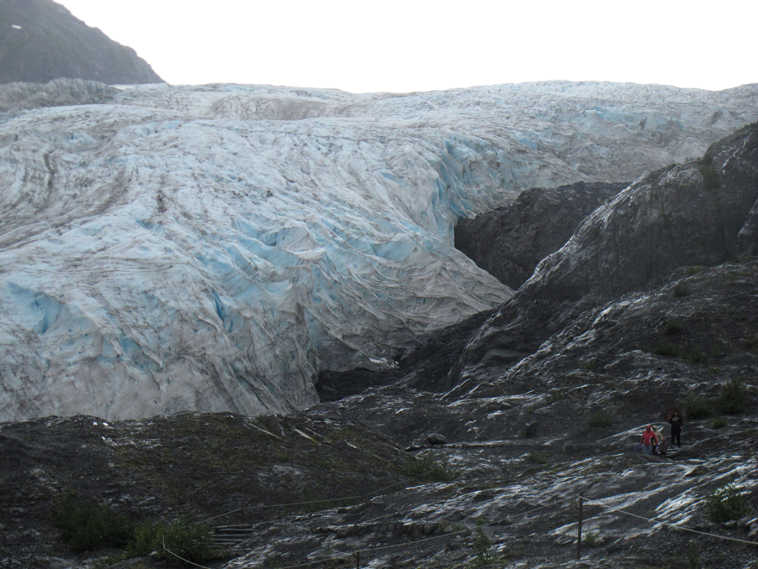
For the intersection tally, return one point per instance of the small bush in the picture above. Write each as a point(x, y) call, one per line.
point(530, 431)
point(733, 398)
point(482, 548)
point(673, 327)
point(600, 419)
point(718, 423)
point(726, 503)
point(697, 407)
point(681, 289)
point(189, 540)
point(427, 470)
point(666, 349)
point(86, 525)
point(536, 457)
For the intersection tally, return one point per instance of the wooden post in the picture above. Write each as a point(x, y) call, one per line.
point(357, 560)
point(579, 530)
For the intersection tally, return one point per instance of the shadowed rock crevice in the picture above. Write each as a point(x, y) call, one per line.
point(509, 242)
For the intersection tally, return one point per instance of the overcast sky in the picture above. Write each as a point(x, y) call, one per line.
point(418, 45)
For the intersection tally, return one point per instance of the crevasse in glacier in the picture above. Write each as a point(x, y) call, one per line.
point(213, 247)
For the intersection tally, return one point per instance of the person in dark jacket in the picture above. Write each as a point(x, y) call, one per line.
point(676, 428)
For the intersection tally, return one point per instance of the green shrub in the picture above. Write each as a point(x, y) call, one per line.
point(733, 398)
point(666, 349)
point(681, 289)
point(86, 525)
point(726, 503)
point(537, 457)
point(482, 548)
point(718, 423)
point(600, 419)
point(425, 469)
point(189, 540)
point(697, 407)
point(673, 327)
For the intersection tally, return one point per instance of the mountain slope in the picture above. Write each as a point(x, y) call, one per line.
point(509, 241)
point(698, 213)
point(215, 247)
point(40, 40)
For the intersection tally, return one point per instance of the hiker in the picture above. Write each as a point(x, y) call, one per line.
point(676, 428)
point(661, 446)
point(649, 440)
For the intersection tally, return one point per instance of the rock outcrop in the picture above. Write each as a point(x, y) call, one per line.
point(698, 213)
point(40, 40)
point(509, 241)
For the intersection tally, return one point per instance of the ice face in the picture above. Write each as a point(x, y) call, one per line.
point(213, 247)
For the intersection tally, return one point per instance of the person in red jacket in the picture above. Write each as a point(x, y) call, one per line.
point(649, 439)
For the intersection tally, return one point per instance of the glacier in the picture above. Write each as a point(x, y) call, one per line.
point(168, 248)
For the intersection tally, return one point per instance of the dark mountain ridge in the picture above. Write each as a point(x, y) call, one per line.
point(41, 40)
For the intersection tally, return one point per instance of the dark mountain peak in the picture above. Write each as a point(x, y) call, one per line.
point(41, 40)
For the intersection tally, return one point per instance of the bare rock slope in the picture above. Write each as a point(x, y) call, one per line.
point(40, 40)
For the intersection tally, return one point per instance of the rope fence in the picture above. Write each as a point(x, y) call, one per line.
point(667, 524)
point(337, 557)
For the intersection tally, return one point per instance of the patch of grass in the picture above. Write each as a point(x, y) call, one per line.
point(189, 540)
point(600, 419)
point(530, 431)
point(86, 525)
point(591, 539)
point(666, 349)
point(718, 423)
point(673, 327)
point(697, 407)
point(725, 504)
point(482, 548)
point(426, 469)
point(681, 289)
point(536, 457)
point(733, 398)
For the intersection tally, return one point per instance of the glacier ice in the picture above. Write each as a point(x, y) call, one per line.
point(167, 248)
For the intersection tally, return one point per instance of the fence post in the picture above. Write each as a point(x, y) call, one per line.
point(579, 530)
point(357, 560)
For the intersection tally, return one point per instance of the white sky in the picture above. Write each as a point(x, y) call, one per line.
point(419, 45)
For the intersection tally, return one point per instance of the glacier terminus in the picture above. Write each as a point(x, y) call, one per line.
point(167, 248)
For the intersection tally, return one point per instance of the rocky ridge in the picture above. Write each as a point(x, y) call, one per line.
point(40, 41)
point(509, 241)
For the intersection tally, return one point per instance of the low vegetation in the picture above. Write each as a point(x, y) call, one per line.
point(732, 399)
point(87, 526)
point(725, 504)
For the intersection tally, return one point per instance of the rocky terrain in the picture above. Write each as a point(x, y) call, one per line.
point(40, 40)
point(232, 248)
point(476, 448)
point(509, 241)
